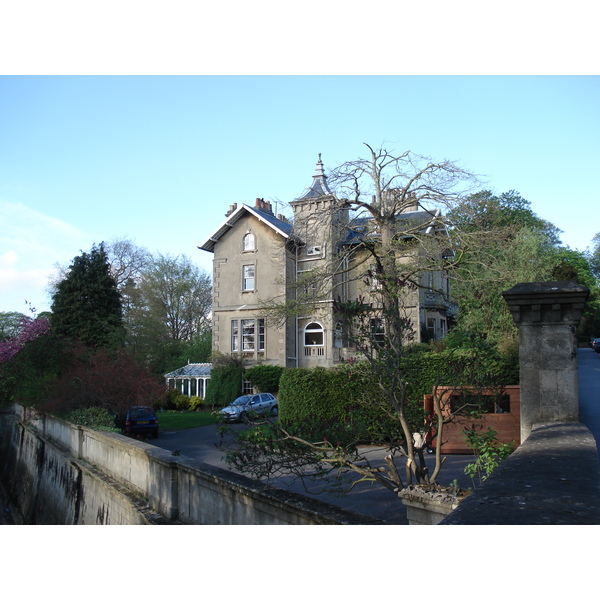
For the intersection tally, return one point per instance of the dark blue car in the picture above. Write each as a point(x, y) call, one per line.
point(138, 420)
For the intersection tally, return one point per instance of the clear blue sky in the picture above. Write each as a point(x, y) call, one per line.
point(158, 160)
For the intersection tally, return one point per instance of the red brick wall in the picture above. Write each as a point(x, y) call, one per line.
point(508, 425)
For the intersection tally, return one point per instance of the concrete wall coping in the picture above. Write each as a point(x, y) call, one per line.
point(553, 478)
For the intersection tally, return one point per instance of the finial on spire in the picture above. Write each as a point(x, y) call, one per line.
point(320, 172)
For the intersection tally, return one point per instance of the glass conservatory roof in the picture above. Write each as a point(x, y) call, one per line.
point(192, 370)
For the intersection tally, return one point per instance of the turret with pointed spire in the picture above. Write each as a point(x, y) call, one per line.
point(319, 185)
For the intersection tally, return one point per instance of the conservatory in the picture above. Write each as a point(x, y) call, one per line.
point(191, 379)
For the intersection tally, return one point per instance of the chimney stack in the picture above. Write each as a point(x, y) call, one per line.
point(264, 206)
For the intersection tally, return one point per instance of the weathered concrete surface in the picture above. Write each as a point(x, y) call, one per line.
point(547, 315)
point(553, 478)
point(57, 473)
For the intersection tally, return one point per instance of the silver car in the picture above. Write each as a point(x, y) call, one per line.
point(250, 405)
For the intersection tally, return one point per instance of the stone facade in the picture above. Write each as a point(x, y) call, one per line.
point(261, 258)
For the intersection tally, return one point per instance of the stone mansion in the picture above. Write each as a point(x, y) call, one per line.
point(260, 257)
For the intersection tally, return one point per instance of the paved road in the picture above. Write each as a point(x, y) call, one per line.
point(589, 390)
point(203, 444)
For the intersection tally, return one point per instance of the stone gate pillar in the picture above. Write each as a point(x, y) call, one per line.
point(547, 315)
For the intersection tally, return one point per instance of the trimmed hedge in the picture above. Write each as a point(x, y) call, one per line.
point(425, 369)
point(345, 402)
point(265, 377)
point(342, 404)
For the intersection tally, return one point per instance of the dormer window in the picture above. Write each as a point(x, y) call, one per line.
point(249, 244)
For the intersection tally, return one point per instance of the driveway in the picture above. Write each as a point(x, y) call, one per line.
point(589, 390)
point(204, 445)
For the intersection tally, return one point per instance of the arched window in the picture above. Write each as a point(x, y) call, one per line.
point(313, 335)
point(314, 340)
point(249, 242)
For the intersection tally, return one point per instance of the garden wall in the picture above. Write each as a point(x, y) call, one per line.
point(506, 421)
point(57, 473)
point(551, 479)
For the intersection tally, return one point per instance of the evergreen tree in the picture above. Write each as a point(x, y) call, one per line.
point(86, 305)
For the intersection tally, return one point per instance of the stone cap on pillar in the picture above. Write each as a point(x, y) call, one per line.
point(547, 302)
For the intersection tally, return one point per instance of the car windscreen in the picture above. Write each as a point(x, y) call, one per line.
point(241, 400)
point(137, 413)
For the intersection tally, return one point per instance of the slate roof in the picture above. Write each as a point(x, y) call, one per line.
point(319, 185)
point(358, 227)
point(192, 370)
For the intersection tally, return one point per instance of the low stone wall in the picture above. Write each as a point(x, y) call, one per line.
point(553, 478)
point(57, 473)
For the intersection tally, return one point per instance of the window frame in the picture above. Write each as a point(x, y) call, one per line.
point(248, 280)
point(248, 337)
point(249, 242)
point(262, 335)
point(251, 336)
point(377, 331)
point(431, 325)
point(315, 330)
point(338, 335)
point(235, 335)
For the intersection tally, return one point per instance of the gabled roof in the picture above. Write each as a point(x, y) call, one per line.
point(192, 370)
point(282, 228)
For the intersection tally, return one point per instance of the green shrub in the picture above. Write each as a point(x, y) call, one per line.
point(341, 404)
point(347, 401)
point(181, 402)
point(225, 380)
point(196, 402)
point(479, 368)
point(265, 377)
point(171, 399)
point(489, 453)
point(94, 417)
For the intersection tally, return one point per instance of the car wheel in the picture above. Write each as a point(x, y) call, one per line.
point(244, 417)
point(275, 411)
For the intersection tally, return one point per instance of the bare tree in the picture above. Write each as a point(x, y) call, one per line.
point(127, 261)
point(377, 198)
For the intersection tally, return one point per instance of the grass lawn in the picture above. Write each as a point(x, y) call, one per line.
point(183, 420)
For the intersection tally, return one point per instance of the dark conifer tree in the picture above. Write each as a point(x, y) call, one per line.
point(86, 305)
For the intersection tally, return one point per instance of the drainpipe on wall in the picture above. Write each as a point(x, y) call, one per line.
point(297, 319)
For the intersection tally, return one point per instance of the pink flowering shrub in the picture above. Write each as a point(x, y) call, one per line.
point(30, 330)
